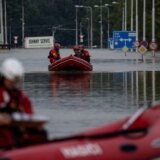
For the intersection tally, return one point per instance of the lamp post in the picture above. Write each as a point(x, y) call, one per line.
point(137, 21)
point(91, 31)
point(132, 7)
point(5, 22)
point(144, 20)
point(77, 6)
point(153, 21)
point(125, 22)
point(1, 23)
point(23, 23)
point(108, 5)
point(101, 25)
point(88, 30)
point(101, 21)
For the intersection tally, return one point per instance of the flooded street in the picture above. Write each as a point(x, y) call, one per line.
point(73, 102)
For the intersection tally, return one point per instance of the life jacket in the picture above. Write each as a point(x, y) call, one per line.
point(54, 55)
point(85, 55)
point(14, 101)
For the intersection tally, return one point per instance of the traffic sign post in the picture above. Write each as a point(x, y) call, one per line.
point(124, 38)
point(136, 44)
point(15, 40)
point(144, 43)
point(153, 46)
point(142, 49)
point(81, 38)
point(125, 49)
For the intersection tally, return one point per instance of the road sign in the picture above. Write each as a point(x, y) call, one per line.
point(136, 43)
point(15, 39)
point(144, 43)
point(124, 38)
point(153, 45)
point(125, 49)
point(142, 49)
point(81, 38)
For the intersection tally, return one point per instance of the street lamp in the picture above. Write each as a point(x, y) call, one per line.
point(87, 29)
point(153, 21)
point(137, 21)
point(108, 5)
point(144, 20)
point(90, 8)
point(125, 15)
point(23, 23)
point(132, 7)
point(77, 6)
point(5, 22)
point(1, 23)
point(101, 25)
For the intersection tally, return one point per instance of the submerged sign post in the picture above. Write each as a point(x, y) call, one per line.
point(123, 39)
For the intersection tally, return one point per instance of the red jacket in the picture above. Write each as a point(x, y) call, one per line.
point(54, 55)
point(14, 101)
point(85, 55)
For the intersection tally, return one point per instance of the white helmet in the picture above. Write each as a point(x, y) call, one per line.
point(12, 69)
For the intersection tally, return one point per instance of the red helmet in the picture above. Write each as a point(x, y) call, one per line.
point(57, 45)
point(76, 48)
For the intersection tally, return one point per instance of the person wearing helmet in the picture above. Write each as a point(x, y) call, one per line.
point(77, 52)
point(84, 53)
point(54, 54)
point(12, 99)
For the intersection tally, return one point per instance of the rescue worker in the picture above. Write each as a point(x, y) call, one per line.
point(54, 53)
point(13, 100)
point(77, 52)
point(84, 53)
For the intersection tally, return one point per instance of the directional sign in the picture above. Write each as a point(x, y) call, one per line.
point(124, 38)
point(153, 45)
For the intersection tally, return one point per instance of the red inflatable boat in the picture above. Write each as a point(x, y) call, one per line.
point(133, 138)
point(70, 63)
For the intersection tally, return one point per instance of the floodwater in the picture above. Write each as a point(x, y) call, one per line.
point(116, 88)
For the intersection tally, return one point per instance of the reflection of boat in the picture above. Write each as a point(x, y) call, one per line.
point(73, 82)
point(70, 63)
point(133, 138)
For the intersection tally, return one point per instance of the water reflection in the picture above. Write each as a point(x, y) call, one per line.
point(69, 84)
point(75, 102)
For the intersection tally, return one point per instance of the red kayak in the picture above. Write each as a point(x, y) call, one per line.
point(70, 63)
point(133, 138)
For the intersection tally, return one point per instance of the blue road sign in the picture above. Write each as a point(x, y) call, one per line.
point(124, 38)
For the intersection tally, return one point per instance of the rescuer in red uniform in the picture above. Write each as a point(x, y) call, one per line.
point(84, 53)
point(77, 52)
point(54, 53)
point(12, 100)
